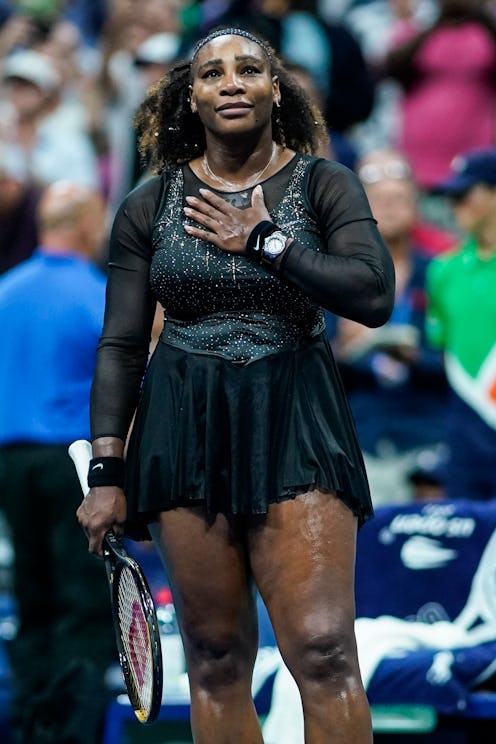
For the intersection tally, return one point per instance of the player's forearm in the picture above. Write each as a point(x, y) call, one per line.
point(108, 447)
point(359, 287)
point(116, 387)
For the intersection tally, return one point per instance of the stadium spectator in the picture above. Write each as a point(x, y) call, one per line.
point(396, 383)
point(447, 73)
point(36, 119)
point(18, 200)
point(51, 313)
point(378, 26)
point(134, 39)
point(462, 322)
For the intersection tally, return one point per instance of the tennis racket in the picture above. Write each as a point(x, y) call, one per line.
point(135, 621)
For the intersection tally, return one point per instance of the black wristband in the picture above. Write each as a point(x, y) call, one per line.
point(106, 471)
point(257, 237)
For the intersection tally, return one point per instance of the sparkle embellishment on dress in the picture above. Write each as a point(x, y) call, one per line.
point(225, 304)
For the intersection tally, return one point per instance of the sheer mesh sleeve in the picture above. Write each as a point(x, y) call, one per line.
point(129, 311)
point(354, 277)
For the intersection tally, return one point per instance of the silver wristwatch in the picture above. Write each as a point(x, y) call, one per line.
point(274, 245)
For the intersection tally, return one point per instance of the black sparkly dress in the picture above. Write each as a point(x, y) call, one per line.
point(241, 404)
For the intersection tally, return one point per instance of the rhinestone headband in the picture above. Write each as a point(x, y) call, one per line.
point(230, 32)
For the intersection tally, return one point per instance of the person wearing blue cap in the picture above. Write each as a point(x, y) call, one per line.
point(462, 321)
point(468, 171)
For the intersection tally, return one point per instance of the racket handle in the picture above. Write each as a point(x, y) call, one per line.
point(80, 452)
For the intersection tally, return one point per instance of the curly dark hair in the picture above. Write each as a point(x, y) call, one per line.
point(169, 133)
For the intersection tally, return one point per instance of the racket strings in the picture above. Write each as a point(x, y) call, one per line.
point(136, 639)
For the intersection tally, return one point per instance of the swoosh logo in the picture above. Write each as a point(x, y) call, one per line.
point(420, 553)
point(98, 466)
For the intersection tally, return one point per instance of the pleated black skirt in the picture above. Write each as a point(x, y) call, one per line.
point(237, 438)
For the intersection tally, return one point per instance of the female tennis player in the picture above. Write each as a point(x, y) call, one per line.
point(243, 461)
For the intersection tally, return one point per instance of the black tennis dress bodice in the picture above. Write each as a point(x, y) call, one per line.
point(226, 304)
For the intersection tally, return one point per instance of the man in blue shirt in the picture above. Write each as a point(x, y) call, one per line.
point(51, 313)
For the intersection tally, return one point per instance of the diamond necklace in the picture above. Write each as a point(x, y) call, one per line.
point(230, 185)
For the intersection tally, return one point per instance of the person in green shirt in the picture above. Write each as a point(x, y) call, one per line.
point(461, 320)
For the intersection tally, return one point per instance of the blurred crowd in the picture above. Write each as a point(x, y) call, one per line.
point(406, 87)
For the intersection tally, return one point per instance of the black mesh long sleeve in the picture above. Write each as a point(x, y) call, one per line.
point(354, 277)
point(129, 311)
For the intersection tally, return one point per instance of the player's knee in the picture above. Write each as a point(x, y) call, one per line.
point(218, 663)
point(326, 656)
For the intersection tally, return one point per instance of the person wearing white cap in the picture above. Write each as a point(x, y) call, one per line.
point(38, 120)
point(32, 67)
point(150, 62)
point(159, 49)
point(153, 59)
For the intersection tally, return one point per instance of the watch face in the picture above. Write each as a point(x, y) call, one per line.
point(274, 245)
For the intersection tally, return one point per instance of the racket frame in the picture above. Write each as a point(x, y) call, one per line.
point(116, 560)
